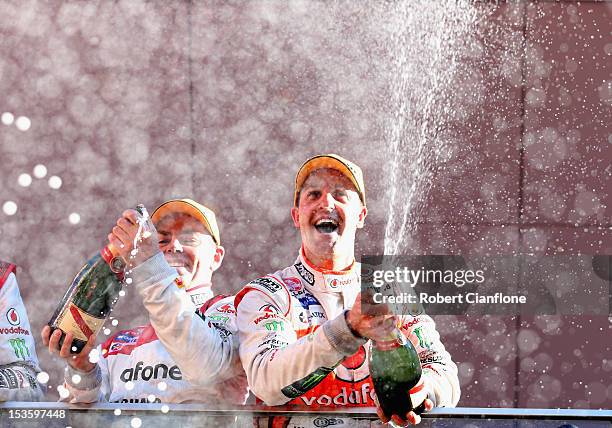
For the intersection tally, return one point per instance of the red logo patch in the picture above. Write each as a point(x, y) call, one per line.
point(293, 284)
point(13, 317)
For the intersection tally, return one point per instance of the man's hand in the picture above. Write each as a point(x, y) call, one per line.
point(377, 323)
point(78, 361)
point(410, 418)
point(126, 234)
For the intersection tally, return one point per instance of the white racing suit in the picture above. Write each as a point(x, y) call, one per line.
point(159, 362)
point(18, 360)
point(296, 347)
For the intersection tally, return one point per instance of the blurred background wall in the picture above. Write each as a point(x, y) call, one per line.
point(490, 119)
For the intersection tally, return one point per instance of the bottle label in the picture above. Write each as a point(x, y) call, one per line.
point(79, 323)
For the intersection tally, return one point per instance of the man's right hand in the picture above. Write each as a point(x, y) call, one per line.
point(125, 234)
point(78, 361)
point(377, 323)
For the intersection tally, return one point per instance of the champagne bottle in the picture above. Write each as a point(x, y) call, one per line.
point(395, 369)
point(91, 296)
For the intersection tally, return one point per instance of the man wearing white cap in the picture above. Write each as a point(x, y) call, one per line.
point(18, 361)
point(302, 332)
point(172, 271)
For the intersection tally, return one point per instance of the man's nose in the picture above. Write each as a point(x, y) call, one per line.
point(328, 201)
point(174, 246)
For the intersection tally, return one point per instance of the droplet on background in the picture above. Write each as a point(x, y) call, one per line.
point(94, 356)
point(55, 182)
point(117, 412)
point(107, 331)
point(165, 408)
point(162, 386)
point(42, 377)
point(151, 398)
point(129, 385)
point(63, 392)
point(7, 118)
point(74, 218)
point(135, 422)
point(9, 208)
point(23, 123)
point(122, 293)
point(40, 171)
point(76, 379)
point(128, 280)
point(24, 180)
point(114, 323)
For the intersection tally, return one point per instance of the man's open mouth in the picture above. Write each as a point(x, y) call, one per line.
point(326, 225)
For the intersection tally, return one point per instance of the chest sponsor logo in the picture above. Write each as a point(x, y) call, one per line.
point(365, 395)
point(424, 341)
point(14, 330)
point(13, 317)
point(306, 299)
point(19, 346)
point(226, 309)
point(305, 273)
point(267, 283)
point(126, 338)
point(146, 373)
point(275, 326)
point(293, 284)
point(221, 319)
point(338, 283)
point(199, 299)
point(269, 310)
point(326, 422)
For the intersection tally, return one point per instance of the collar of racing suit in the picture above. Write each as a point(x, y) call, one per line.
point(197, 295)
point(324, 280)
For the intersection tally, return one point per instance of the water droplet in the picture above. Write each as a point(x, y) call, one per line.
point(9, 208)
point(76, 379)
point(23, 123)
point(74, 218)
point(24, 180)
point(122, 293)
point(114, 323)
point(94, 356)
point(42, 377)
point(128, 280)
point(7, 118)
point(63, 392)
point(40, 171)
point(136, 422)
point(165, 408)
point(151, 398)
point(162, 386)
point(129, 385)
point(117, 412)
point(55, 182)
point(107, 331)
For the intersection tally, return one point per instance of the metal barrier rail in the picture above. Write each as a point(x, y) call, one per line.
point(356, 412)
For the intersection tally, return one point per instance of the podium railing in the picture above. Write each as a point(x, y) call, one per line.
point(48, 414)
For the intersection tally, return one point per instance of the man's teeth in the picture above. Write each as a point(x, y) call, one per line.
point(326, 225)
point(326, 221)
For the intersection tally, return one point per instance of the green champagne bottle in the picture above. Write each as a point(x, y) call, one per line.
point(395, 369)
point(91, 296)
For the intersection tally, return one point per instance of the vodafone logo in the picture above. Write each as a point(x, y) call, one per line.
point(336, 283)
point(13, 317)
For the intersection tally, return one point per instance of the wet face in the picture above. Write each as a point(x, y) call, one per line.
point(189, 248)
point(328, 216)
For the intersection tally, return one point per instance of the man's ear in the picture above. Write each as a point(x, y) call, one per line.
point(218, 258)
point(362, 215)
point(295, 215)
